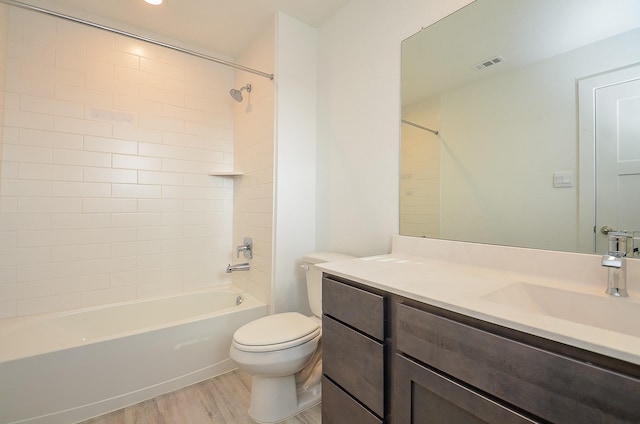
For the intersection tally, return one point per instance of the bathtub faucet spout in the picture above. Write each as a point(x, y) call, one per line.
point(237, 267)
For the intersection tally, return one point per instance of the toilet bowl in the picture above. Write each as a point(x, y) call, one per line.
point(282, 354)
point(273, 362)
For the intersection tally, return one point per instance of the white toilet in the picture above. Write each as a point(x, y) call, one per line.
point(278, 351)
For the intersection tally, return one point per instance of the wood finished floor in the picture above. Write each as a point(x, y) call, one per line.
point(220, 400)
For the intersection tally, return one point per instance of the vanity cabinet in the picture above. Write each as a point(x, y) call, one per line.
point(353, 351)
point(389, 359)
point(450, 368)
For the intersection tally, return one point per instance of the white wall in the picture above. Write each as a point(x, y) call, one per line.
point(358, 120)
point(104, 188)
point(295, 206)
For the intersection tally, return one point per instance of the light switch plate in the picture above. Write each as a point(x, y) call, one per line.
point(563, 179)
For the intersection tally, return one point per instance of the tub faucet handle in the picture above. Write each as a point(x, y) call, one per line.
point(246, 248)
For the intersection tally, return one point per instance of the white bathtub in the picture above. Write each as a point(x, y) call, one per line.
point(67, 367)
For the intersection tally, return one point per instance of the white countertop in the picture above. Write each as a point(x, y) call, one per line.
point(461, 288)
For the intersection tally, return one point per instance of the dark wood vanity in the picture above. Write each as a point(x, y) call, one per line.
point(354, 353)
point(390, 359)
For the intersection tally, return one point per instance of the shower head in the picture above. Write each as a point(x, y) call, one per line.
point(237, 94)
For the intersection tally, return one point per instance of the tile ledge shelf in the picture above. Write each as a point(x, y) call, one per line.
point(225, 174)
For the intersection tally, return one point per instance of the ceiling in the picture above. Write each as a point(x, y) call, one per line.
point(218, 26)
point(443, 55)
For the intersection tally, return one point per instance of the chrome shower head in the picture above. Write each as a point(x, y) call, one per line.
point(237, 94)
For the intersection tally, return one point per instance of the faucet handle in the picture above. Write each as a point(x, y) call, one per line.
point(620, 243)
point(246, 248)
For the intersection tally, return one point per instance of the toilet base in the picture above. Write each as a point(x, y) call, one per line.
point(274, 399)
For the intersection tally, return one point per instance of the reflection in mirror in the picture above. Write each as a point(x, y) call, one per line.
point(513, 162)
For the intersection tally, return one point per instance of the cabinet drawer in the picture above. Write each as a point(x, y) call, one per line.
point(357, 308)
point(553, 387)
point(355, 362)
point(423, 396)
point(338, 407)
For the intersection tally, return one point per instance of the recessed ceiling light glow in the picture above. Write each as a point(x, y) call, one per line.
point(154, 2)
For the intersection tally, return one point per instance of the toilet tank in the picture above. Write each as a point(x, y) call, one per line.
point(314, 276)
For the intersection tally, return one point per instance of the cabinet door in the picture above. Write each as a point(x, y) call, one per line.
point(423, 396)
point(548, 385)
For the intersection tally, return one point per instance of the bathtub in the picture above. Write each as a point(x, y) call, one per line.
point(67, 367)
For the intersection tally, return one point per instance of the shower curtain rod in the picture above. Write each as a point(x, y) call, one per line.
point(137, 37)
point(404, 121)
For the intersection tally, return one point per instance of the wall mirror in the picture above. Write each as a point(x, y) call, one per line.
point(498, 139)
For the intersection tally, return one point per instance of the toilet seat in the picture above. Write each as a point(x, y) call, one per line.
point(276, 332)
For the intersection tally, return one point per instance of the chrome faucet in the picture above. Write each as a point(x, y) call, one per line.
point(246, 248)
point(238, 267)
point(620, 246)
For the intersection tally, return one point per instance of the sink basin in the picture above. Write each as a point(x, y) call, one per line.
point(605, 312)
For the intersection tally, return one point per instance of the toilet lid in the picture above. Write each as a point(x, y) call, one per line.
point(275, 332)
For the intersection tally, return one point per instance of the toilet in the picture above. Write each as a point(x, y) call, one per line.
point(281, 352)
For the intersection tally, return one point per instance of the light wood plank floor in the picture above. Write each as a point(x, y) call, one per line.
point(220, 400)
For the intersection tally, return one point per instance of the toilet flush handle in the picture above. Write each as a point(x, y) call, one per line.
point(305, 267)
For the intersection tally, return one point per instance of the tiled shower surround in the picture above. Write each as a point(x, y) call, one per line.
point(106, 147)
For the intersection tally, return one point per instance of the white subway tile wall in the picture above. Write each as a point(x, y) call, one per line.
point(254, 156)
point(106, 146)
point(7, 272)
point(420, 174)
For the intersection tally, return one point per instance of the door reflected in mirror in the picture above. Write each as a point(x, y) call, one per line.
point(513, 162)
